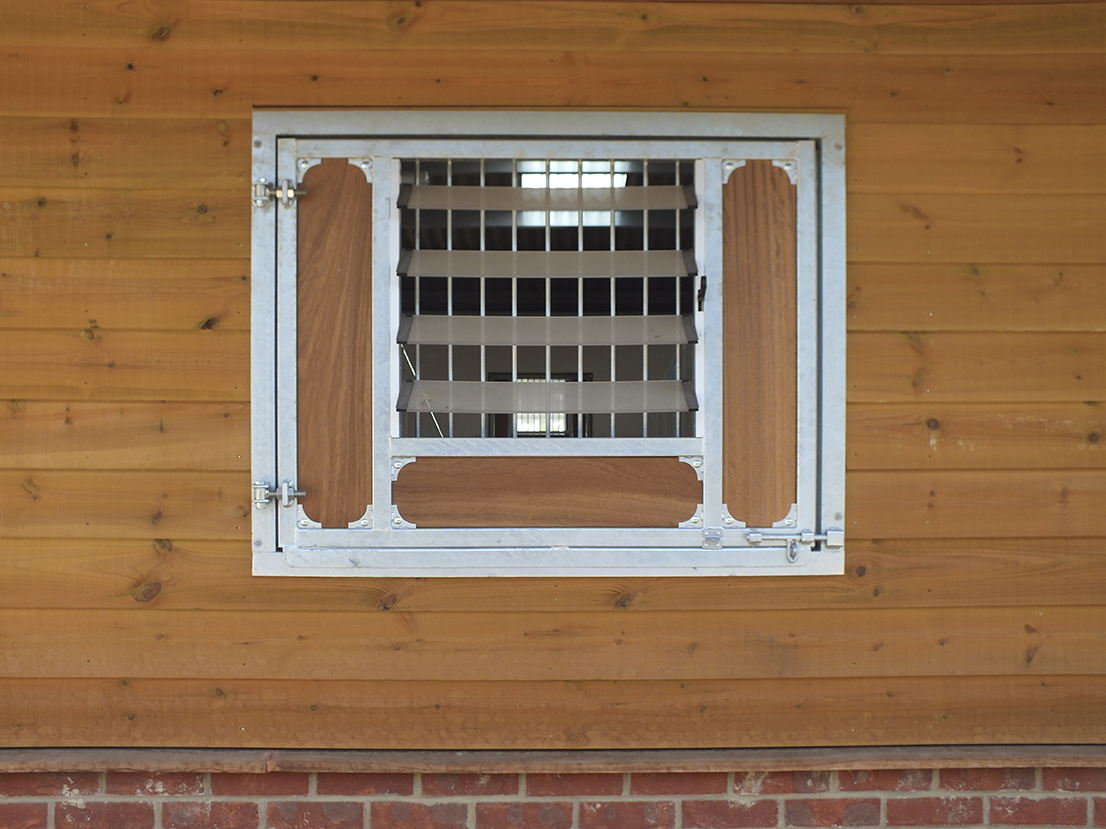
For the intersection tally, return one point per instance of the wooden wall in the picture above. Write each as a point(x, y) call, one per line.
point(974, 602)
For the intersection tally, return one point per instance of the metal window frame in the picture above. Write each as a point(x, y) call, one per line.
point(810, 540)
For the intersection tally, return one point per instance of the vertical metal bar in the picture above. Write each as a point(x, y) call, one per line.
point(645, 294)
point(483, 303)
point(449, 284)
point(708, 185)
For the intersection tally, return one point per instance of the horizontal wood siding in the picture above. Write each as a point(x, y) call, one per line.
point(972, 606)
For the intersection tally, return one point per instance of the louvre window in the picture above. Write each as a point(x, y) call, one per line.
point(536, 344)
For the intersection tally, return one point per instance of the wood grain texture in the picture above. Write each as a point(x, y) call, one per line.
point(476, 715)
point(196, 574)
point(759, 343)
point(975, 297)
point(48, 434)
point(547, 492)
point(976, 158)
point(174, 153)
point(125, 294)
point(90, 364)
point(334, 343)
point(911, 367)
point(468, 25)
point(122, 224)
point(969, 89)
point(976, 503)
point(976, 436)
point(107, 504)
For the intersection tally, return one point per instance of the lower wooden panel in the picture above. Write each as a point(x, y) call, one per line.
point(190, 574)
point(478, 715)
point(547, 492)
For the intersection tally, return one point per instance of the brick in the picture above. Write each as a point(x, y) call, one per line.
point(400, 815)
point(654, 783)
point(1024, 811)
point(1100, 811)
point(104, 816)
point(1075, 780)
point(289, 814)
point(523, 815)
point(628, 814)
point(364, 784)
point(144, 783)
point(436, 785)
point(782, 782)
point(728, 814)
point(832, 812)
point(987, 780)
point(60, 784)
point(570, 785)
point(277, 783)
point(218, 814)
point(886, 780)
point(935, 811)
point(23, 815)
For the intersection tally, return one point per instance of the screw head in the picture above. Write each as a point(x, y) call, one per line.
point(696, 464)
point(727, 520)
point(397, 520)
point(364, 523)
point(304, 523)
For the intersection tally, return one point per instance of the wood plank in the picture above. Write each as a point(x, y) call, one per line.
point(334, 343)
point(38, 434)
point(976, 503)
point(968, 158)
point(975, 297)
point(759, 284)
point(976, 436)
point(1034, 89)
point(125, 294)
point(549, 715)
point(910, 367)
point(123, 224)
point(547, 492)
point(964, 228)
point(108, 504)
point(593, 26)
point(189, 574)
point(170, 153)
point(143, 641)
point(91, 364)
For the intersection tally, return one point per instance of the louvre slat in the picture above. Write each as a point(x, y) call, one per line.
point(454, 197)
point(541, 396)
point(540, 263)
point(567, 331)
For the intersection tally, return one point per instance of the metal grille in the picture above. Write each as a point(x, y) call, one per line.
point(547, 298)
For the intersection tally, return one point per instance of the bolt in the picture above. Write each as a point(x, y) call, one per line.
point(695, 519)
point(397, 520)
point(789, 521)
point(364, 523)
point(398, 465)
point(728, 520)
point(304, 523)
point(696, 464)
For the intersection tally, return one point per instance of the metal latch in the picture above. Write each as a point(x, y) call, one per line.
point(833, 537)
point(287, 494)
point(286, 193)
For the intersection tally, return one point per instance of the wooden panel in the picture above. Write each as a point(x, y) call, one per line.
point(131, 294)
point(547, 492)
point(759, 273)
point(1034, 89)
point(976, 504)
point(90, 364)
point(55, 504)
point(959, 228)
point(334, 342)
point(959, 158)
point(78, 435)
point(904, 367)
point(494, 646)
point(188, 574)
point(476, 715)
point(590, 26)
point(976, 436)
point(975, 297)
point(119, 224)
point(174, 153)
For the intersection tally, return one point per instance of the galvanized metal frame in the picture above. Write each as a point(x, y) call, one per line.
point(809, 540)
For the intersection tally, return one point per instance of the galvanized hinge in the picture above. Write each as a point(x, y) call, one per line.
point(286, 495)
point(832, 537)
point(285, 193)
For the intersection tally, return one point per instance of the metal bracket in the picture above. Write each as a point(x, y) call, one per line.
point(789, 166)
point(365, 521)
point(789, 520)
point(728, 520)
point(287, 494)
point(695, 522)
point(286, 193)
point(729, 165)
point(397, 465)
point(712, 538)
point(696, 463)
point(399, 522)
point(366, 165)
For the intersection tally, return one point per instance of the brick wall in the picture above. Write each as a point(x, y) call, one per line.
point(704, 800)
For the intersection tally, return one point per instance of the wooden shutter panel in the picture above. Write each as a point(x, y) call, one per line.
point(759, 312)
point(334, 343)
